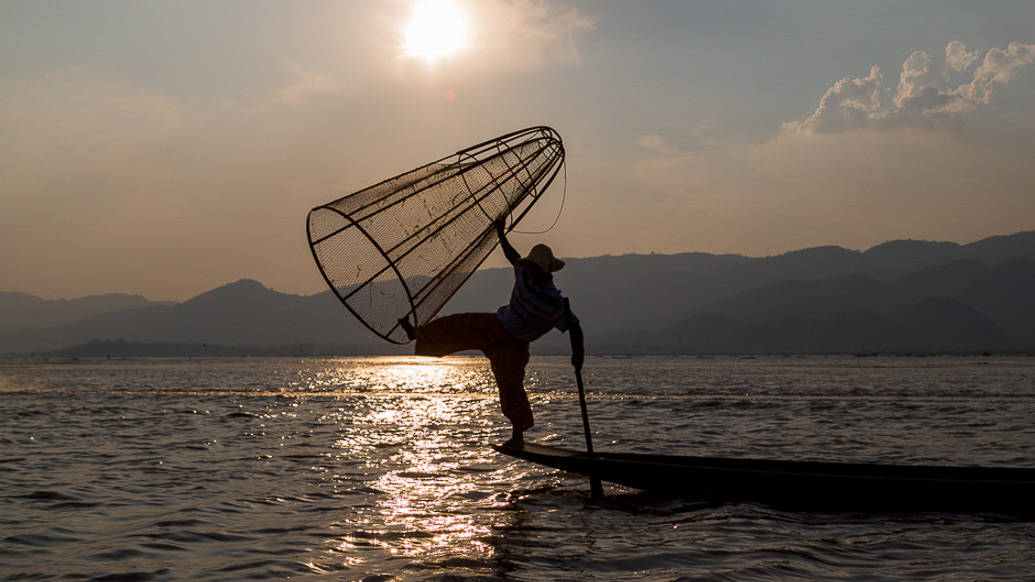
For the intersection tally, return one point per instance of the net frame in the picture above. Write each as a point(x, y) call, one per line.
point(498, 178)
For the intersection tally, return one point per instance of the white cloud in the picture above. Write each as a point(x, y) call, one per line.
point(848, 105)
point(870, 164)
point(916, 76)
point(998, 68)
point(958, 57)
point(924, 97)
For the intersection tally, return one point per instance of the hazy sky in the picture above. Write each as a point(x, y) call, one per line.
point(166, 148)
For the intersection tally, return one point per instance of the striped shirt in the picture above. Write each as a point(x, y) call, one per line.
point(535, 307)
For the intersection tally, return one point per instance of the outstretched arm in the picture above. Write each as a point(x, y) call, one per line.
point(508, 251)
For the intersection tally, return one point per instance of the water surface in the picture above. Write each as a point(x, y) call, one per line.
point(379, 469)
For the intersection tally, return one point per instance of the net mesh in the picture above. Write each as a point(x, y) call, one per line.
point(404, 246)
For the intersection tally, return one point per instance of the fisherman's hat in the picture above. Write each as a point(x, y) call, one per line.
point(542, 255)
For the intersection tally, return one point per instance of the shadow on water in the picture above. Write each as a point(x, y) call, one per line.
point(560, 532)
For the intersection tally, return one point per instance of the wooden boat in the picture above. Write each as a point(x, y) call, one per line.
point(803, 484)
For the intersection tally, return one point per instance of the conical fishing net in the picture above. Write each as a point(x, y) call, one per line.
point(404, 246)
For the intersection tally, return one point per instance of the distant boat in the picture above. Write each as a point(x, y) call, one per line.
point(803, 484)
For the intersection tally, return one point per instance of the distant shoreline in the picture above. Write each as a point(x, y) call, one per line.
point(126, 350)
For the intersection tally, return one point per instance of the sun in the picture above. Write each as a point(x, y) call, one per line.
point(437, 29)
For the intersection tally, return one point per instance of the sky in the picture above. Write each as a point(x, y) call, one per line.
point(166, 148)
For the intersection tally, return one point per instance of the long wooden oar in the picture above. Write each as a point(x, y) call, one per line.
point(594, 481)
point(578, 355)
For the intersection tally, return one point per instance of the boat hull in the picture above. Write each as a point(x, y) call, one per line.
point(803, 484)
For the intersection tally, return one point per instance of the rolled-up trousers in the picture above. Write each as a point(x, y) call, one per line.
point(507, 356)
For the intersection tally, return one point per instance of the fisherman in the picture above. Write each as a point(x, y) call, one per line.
point(536, 306)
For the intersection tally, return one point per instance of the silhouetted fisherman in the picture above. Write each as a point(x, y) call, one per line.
point(536, 306)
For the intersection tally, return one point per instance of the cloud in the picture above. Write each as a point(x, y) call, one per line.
point(871, 163)
point(852, 189)
point(527, 34)
point(998, 68)
point(958, 57)
point(656, 143)
point(848, 105)
point(924, 97)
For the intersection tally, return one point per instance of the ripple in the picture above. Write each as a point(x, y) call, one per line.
point(48, 496)
point(188, 536)
point(40, 540)
point(272, 568)
point(119, 554)
point(212, 471)
point(182, 523)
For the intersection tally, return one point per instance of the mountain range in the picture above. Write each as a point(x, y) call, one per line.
point(903, 296)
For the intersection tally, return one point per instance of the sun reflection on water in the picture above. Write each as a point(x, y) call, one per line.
point(402, 374)
point(423, 432)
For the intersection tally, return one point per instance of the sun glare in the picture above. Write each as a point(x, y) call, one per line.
point(437, 29)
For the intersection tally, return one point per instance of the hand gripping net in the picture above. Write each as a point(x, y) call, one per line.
point(403, 247)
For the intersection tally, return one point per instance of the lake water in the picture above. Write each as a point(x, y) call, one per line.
point(379, 468)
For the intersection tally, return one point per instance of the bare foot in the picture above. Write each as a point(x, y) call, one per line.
point(516, 441)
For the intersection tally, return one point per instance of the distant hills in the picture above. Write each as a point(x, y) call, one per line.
point(24, 311)
point(902, 296)
point(242, 314)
